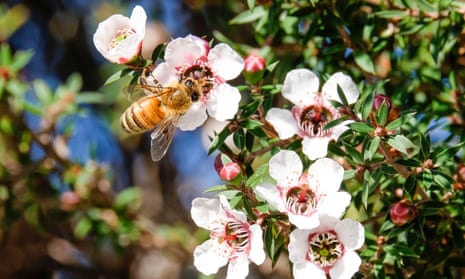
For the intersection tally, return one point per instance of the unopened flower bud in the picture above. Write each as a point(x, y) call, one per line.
point(254, 63)
point(378, 101)
point(226, 169)
point(254, 67)
point(402, 212)
point(68, 200)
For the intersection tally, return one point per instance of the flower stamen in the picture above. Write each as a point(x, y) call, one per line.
point(120, 36)
point(313, 121)
point(324, 249)
point(301, 200)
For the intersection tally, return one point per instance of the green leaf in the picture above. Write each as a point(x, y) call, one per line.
point(361, 127)
point(116, 76)
point(391, 14)
point(249, 16)
point(158, 52)
point(251, 3)
point(218, 140)
point(43, 92)
point(239, 138)
point(90, 98)
point(401, 143)
point(364, 61)
point(257, 177)
point(382, 114)
point(21, 59)
point(83, 228)
point(373, 145)
point(251, 124)
point(130, 197)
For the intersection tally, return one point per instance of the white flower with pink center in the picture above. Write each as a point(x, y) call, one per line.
point(119, 38)
point(328, 249)
point(303, 196)
point(191, 56)
point(312, 110)
point(232, 239)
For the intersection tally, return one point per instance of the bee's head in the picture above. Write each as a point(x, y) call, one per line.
point(193, 88)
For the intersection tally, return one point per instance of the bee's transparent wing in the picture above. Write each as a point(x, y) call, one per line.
point(162, 136)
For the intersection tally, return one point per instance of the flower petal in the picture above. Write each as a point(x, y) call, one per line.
point(138, 20)
point(298, 245)
point(334, 204)
point(271, 194)
point(256, 253)
point(223, 102)
point(300, 85)
point(238, 268)
point(346, 267)
point(303, 270)
point(329, 174)
point(347, 85)
point(225, 62)
point(210, 256)
point(315, 147)
point(205, 212)
point(283, 122)
point(164, 74)
point(351, 233)
point(182, 51)
point(193, 118)
point(286, 168)
point(304, 222)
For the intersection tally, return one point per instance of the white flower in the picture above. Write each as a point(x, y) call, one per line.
point(304, 196)
point(119, 38)
point(232, 239)
point(312, 110)
point(327, 249)
point(191, 57)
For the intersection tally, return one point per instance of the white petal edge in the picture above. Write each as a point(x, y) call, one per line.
point(334, 204)
point(193, 118)
point(300, 85)
point(138, 20)
point(205, 212)
point(257, 253)
point(209, 257)
point(238, 268)
point(223, 102)
point(286, 168)
point(315, 147)
point(346, 267)
point(225, 62)
point(164, 74)
point(181, 52)
point(351, 233)
point(283, 122)
point(328, 173)
point(271, 194)
point(304, 222)
point(303, 270)
point(298, 245)
point(347, 85)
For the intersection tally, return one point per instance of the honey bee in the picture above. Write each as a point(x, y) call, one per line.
point(160, 108)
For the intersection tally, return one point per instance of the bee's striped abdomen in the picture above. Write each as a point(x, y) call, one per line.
point(142, 115)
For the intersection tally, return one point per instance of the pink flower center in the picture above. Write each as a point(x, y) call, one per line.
point(324, 249)
point(236, 235)
point(120, 36)
point(301, 200)
point(313, 118)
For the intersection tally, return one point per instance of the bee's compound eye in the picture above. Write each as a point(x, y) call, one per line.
point(195, 97)
point(189, 83)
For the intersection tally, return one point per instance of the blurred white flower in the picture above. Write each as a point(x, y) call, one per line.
point(232, 239)
point(327, 249)
point(192, 57)
point(303, 196)
point(312, 110)
point(119, 38)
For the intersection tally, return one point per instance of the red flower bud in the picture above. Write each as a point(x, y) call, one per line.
point(254, 63)
point(379, 99)
point(402, 212)
point(226, 169)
